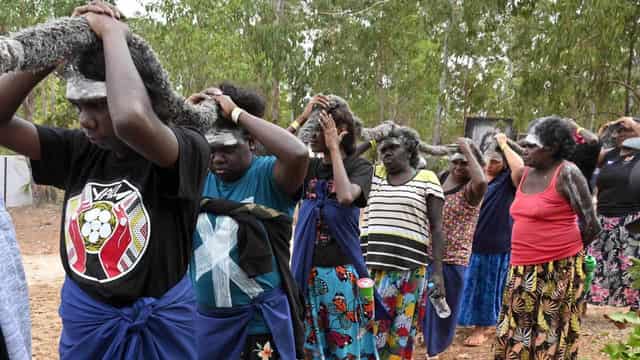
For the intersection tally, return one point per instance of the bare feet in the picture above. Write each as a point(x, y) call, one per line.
point(477, 337)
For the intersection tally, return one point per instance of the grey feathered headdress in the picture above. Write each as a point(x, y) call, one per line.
point(306, 131)
point(71, 39)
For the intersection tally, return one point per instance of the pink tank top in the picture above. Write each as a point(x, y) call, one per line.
point(545, 227)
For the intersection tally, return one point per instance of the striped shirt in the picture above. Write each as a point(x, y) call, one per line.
point(395, 227)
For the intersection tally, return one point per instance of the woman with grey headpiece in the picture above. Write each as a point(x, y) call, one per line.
point(618, 211)
point(327, 261)
point(464, 185)
point(132, 188)
point(553, 222)
point(487, 272)
point(402, 220)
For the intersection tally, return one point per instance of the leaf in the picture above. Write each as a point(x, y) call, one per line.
point(622, 320)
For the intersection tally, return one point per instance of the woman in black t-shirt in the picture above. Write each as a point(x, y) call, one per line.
point(132, 187)
point(618, 207)
point(338, 323)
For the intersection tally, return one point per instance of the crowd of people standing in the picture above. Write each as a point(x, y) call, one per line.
point(178, 243)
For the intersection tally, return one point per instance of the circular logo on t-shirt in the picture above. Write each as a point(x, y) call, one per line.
point(106, 231)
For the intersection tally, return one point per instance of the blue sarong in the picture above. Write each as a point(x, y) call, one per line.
point(439, 333)
point(222, 332)
point(149, 329)
point(342, 222)
point(484, 283)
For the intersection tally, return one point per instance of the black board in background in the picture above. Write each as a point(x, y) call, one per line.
point(478, 129)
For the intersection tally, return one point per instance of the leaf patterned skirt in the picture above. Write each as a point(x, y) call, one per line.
point(540, 316)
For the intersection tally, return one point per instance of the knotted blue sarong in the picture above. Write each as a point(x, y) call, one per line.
point(149, 329)
point(222, 332)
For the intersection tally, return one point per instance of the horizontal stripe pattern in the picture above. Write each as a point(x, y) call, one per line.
point(395, 227)
point(389, 251)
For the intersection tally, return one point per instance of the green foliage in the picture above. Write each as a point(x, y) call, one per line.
point(517, 59)
point(630, 349)
point(634, 272)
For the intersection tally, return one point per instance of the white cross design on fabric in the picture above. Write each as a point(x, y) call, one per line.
point(213, 255)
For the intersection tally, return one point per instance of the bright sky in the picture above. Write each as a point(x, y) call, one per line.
point(130, 7)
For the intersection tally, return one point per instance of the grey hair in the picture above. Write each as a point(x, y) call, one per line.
point(70, 38)
point(313, 122)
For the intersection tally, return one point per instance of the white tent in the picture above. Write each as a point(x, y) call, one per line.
point(15, 181)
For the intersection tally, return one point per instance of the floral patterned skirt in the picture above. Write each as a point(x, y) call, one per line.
point(613, 252)
point(540, 316)
point(259, 347)
point(401, 292)
point(338, 325)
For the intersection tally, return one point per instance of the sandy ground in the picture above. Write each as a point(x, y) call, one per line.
point(38, 235)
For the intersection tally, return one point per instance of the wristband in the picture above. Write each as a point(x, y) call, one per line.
point(502, 146)
point(295, 125)
point(373, 143)
point(235, 114)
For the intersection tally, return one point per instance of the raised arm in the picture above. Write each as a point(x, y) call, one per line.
point(573, 186)
point(478, 183)
point(317, 100)
point(134, 121)
point(346, 192)
point(626, 122)
point(292, 156)
point(516, 165)
point(17, 134)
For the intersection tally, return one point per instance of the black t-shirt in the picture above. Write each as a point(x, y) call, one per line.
point(615, 194)
point(585, 156)
point(126, 223)
point(327, 251)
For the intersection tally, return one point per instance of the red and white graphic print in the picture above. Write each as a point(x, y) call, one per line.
point(106, 230)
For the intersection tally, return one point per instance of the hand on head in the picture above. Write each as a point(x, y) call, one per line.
point(102, 17)
point(317, 101)
point(197, 98)
point(626, 122)
point(501, 139)
point(213, 93)
point(464, 143)
point(331, 136)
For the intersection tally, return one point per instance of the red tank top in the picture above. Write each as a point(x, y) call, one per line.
point(545, 227)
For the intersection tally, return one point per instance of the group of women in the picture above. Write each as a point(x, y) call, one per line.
point(502, 235)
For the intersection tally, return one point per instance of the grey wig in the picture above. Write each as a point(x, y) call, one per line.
point(313, 123)
point(70, 38)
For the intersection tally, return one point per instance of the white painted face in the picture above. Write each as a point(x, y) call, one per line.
point(533, 139)
point(82, 89)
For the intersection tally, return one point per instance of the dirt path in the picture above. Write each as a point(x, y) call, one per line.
point(38, 231)
point(43, 269)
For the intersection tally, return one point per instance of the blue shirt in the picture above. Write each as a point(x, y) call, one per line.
point(493, 232)
point(218, 280)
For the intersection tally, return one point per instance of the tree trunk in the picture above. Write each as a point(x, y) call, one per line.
point(442, 88)
point(592, 120)
point(380, 91)
point(278, 9)
point(275, 96)
point(44, 92)
point(29, 106)
point(632, 41)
